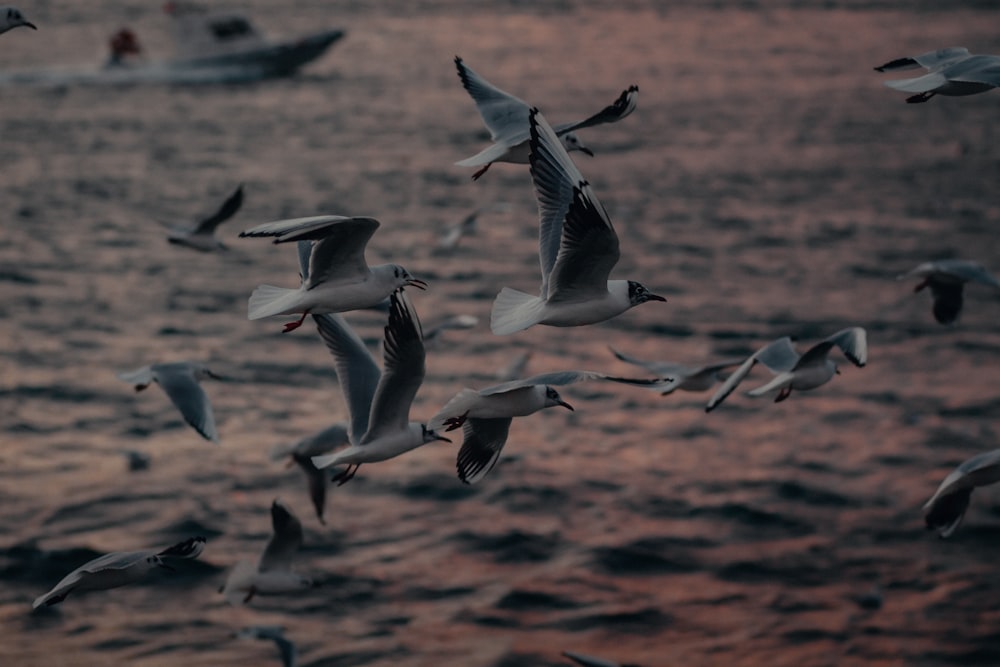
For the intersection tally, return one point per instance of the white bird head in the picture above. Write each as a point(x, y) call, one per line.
point(637, 293)
point(552, 399)
point(571, 142)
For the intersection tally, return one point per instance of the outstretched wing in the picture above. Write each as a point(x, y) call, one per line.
point(184, 390)
point(614, 112)
point(226, 211)
point(357, 371)
point(189, 548)
point(403, 370)
point(505, 116)
point(285, 540)
point(481, 447)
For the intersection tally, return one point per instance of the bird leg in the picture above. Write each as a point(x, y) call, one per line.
point(347, 474)
point(482, 171)
point(455, 422)
point(140, 387)
point(292, 326)
point(783, 394)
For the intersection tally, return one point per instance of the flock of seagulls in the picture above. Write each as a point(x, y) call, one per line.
point(578, 250)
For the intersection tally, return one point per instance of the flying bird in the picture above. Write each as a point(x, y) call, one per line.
point(11, 17)
point(485, 415)
point(578, 248)
point(947, 278)
point(795, 372)
point(952, 71)
point(506, 117)
point(202, 235)
point(682, 377)
point(272, 573)
point(946, 508)
point(301, 453)
point(378, 402)
point(181, 382)
point(338, 278)
point(117, 569)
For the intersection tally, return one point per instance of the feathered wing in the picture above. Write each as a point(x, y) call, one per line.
point(589, 660)
point(963, 269)
point(660, 368)
point(357, 371)
point(505, 116)
point(779, 381)
point(731, 383)
point(226, 211)
point(614, 112)
point(403, 370)
point(946, 508)
point(285, 540)
point(853, 342)
point(189, 548)
point(929, 60)
point(779, 355)
point(976, 69)
point(587, 243)
point(920, 84)
point(483, 441)
point(179, 383)
point(459, 404)
point(316, 480)
point(141, 377)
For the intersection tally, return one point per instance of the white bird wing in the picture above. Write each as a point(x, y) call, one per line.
point(119, 560)
point(969, 473)
point(589, 660)
point(226, 211)
point(983, 69)
point(779, 381)
point(929, 60)
point(920, 84)
point(357, 371)
point(141, 377)
point(285, 540)
point(557, 378)
point(614, 112)
point(483, 441)
point(962, 269)
point(505, 116)
point(189, 548)
point(660, 368)
point(778, 356)
point(338, 249)
point(578, 251)
point(184, 390)
point(403, 370)
point(853, 342)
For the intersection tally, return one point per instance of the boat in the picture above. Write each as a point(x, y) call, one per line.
point(209, 47)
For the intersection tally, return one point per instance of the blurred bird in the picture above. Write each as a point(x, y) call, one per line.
point(338, 278)
point(289, 654)
point(455, 233)
point(271, 574)
point(514, 370)
point(593, 661)
point(378, 402)
point(952, 71)
point(117, 569)
point(180, 381)
point(301, 454)
point(202, 235)
point(947, 278)
point(794, 372)
point(578, 248)
point(506, 118)
point(435, 331)
point(11, 17)
point(946, 508)
point(684, 378)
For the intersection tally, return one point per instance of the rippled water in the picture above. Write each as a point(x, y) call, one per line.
point(768, 185)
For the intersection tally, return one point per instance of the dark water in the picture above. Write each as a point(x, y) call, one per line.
point(768, 185)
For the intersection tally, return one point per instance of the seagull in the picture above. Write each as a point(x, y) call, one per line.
point(592, 661)
point(435, 332)
point(946, 278)
point(515, 368)
point(685, 378)
point(506, 118)
point(289, 654)
point(117, 569)
point(11, 17)
point(485, 415)
point(952, 71)
point(453, 234)
point(202, 235)
point(946, 508)
point(338, 278)
point(301, 454)
point(271, 574)
point(792, 371)
point(180, 380)
point(379, 403)
point(578, 247)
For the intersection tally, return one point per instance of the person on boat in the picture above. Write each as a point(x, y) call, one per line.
point(123, 44)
